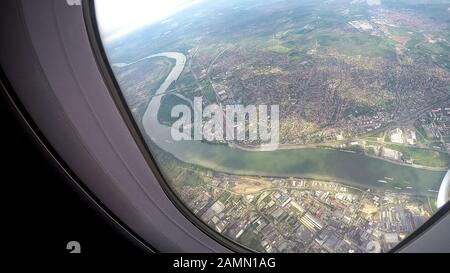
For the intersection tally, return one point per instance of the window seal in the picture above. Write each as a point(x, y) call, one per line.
point(40, 141)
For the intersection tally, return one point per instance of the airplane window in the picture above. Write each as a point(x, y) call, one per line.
point(291, 126)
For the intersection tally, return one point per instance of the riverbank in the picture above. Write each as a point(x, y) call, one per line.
point(321, 146)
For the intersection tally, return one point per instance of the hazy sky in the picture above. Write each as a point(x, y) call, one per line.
point(119, 17)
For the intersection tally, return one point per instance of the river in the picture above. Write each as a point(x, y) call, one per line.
point(315, 163)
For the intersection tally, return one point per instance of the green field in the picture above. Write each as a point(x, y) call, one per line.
point(423, 157)
point(168, 102)
point(209, 93)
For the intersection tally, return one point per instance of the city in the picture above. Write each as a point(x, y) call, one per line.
point(300, 215)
